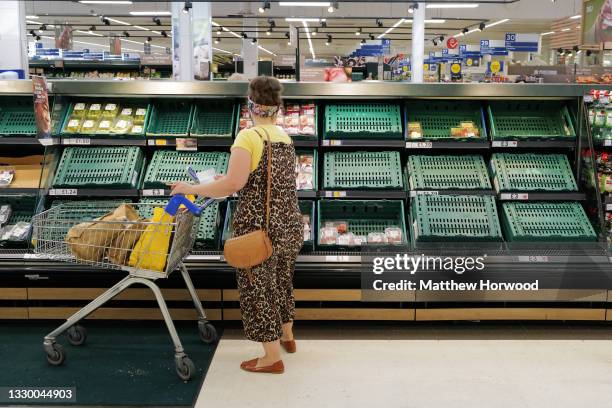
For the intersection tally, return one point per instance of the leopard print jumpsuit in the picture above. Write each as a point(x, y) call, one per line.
point(266, 293)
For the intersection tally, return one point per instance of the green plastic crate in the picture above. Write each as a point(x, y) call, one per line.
point(362, 216)
point(118, 167)
point(17, 117)
point(447, 172)
point(121, 104)
point(363, 121)
point(213, 119)
point(170, 165)
point(315, 166)
point(170, 119)
point(520, 120)
point(532, 172)
point(354, 170)
point(455, 218)
point(307, 207)
point(546, 221)
point(438, 117)
point(207, 236)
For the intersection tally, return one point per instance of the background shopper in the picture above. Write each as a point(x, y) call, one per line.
point(266, 291)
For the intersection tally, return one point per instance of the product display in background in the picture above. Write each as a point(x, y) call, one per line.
point(296, 119)
point(106, 118)
point(304, 169)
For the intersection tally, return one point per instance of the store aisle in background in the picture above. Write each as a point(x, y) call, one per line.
point(433, 366)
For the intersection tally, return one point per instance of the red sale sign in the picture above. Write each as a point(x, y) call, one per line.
point(452, 43)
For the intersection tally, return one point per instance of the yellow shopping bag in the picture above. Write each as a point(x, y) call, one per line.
point(151, 250)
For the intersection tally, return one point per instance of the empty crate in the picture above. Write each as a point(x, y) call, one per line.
point(447, 172)
point(532, 172)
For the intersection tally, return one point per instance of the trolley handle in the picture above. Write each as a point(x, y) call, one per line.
point(177, 200)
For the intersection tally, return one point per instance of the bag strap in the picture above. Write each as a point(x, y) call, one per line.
point(268, 177)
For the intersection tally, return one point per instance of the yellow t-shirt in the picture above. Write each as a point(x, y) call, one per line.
point(249, 140)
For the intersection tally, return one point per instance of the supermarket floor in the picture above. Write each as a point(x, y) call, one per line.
point(435, 365)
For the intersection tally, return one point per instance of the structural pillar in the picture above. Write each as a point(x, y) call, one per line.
point(13, 39)
point(250, 51)
point(418, 43)
point(191, 41)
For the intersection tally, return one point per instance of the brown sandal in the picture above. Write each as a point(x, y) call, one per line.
point(289, 346)
point(251, 366)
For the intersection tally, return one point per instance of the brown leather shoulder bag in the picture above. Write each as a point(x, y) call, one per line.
point(248, 250)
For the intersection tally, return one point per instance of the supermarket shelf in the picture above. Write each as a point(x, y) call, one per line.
point(94, 141)
point(533, 144)
point(18, 191)
point(362, 143)
point(602, 143)
point(201, 141)
point(19, 141)
point(414, 193)
point(93, 192)
point(306, 143)
point(542, 196)
point(364, 194)
point(165, 192)
point(450, 144)
point(93, 64)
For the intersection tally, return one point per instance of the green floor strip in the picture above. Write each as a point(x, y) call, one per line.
point(122, 363)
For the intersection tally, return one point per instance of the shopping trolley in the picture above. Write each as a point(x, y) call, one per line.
point(49, 237)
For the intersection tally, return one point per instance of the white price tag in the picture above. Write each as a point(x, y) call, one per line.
point(78, 141)
point(156, 192)
point(63, 192)
point(608, 207)
point(332, 142)
point(608, 142)
point(337, 258)
point(514, 196)
point(335, 194)
point(419, 145)
point(505, 143)
point(418, 193)
point(534, 259)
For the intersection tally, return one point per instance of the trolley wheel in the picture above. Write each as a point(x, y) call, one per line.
point(185, 368)
point(58, 355)
point(76, 335)
point(208, 333)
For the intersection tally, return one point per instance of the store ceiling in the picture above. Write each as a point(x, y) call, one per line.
point(526, 16)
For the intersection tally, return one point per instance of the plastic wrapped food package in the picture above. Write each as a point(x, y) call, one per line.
point(122, 126)
point(360, 240)
point(340, 226)
point(136, 129)
point(139, 116)
point(328, 235)
point(17, 232)
point(74, 124)
point(110, 110)
point(394, 235)
point(304, 172)
point(5, 213)
point(307, 230)
point(126, 112)
point(94, 111)
point(293, 118)
point(347, 239)
point(79, 109)
point(377, 238)
point(89, 126)
point(105, 126)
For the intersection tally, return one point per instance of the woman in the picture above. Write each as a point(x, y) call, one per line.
point(266, 291)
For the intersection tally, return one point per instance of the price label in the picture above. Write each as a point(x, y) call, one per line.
point(608, 142)
point(514, 196)
point(505, 143)
point(608, 207)
point(337, 258)
point(534, 259)
point(187, 144)
point(78, 141)
point(332, 142)
point(157, 142)
point(335, 194)
point(157, 192)
point(418, 193)
point(47, 141)
point(63, 192)
point(419, 145)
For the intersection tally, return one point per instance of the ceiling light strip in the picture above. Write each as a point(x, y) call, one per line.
point(309, 39)
point(118, 21)
point(451, 5)
point(304, 3)
point(150, 13)
point(497, 23)
point(393, 27)
point(266, 50)
point(89, 33)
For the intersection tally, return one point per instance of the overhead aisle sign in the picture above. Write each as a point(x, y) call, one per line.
point(522, 42)
point(493, 47)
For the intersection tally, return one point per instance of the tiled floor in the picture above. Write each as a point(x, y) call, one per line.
point(422, 366)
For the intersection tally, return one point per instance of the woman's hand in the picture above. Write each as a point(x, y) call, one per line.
point(181, 188)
